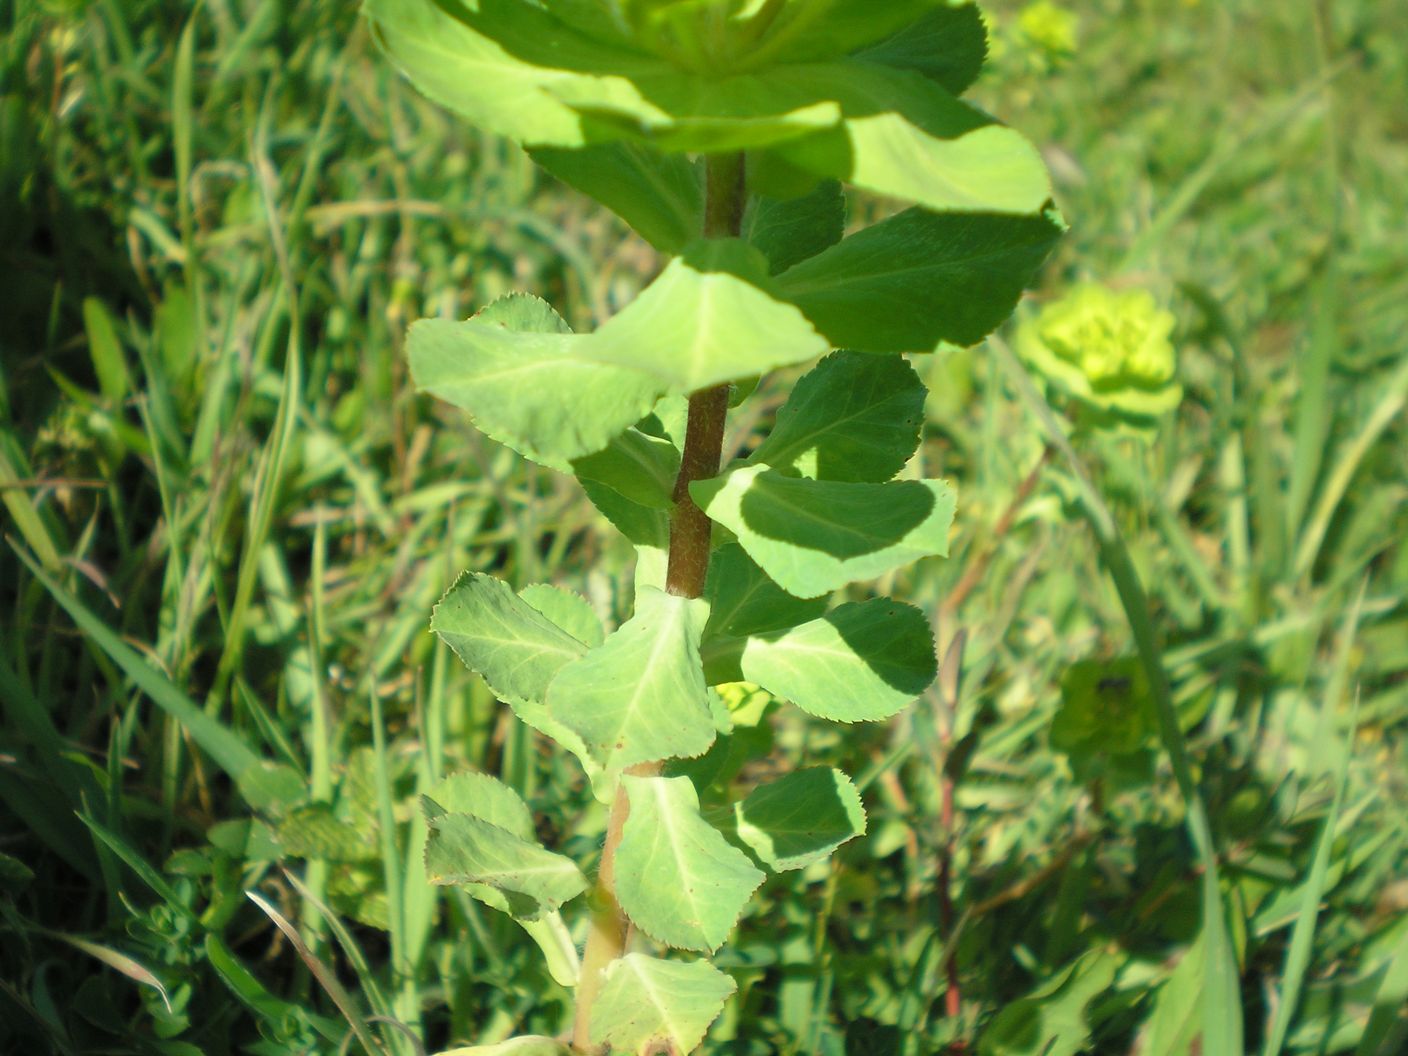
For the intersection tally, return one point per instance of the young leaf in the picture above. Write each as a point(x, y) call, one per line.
point(650, 1006)
point(525, 1045)
point(707, 319)
point(463, 849)
point(789, 230)
point(861, 662)
point(815, 536)
point(525, 379)
point(743, 600)
point(854, 417)
point(640, 696)
point(483, 796)
point(660, 195)
point(948, 46)
point(505, 639)
point(677, 878)
point(801, 818)
point(919, 278)
point(570, 611)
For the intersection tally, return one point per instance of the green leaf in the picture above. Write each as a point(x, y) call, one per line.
point(707, 319)
point(861, 662)
point(920, 278)
point(527, 1045)
point(660, 195)
point(743, 600)
point(511, 644)
point(789, 230)
point(527, 381)
point(801, 818)
point(815, 536)
point(314, 832)
point(570, 611)
point(831, 28)
point(485, 797)
point(1051, 1021)
point(647, 1005)
point(644, 526)
point(677, 878)
point(637, 466)
point(948, 46)
point(853, 418)
point(640, 696)
point(506, 67)
point(463, 849)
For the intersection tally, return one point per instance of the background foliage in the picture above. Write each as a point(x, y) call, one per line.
point(215, 225)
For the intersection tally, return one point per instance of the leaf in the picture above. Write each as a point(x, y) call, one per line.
point(921, 278)
point(1051, 1020)
point(640, 696)
point(483, 796)
point(677, 878)
point(800, 818)
point(844, 26)
point(813, 537)
point(789, 230)
point(527, 1045)
point(314, 832)
point(526, 381)
point(463, 849)
point(644, 526)
point(949, 46)
point(648, 1005)
point(707, 319)
point(853, 418)
point(511, 644)
point(904, 136)
point(637, 466)
point(660, 195)
point(743, 600)
point(861, 662)
point(570, 611)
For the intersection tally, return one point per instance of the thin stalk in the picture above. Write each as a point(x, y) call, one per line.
point(687, 569)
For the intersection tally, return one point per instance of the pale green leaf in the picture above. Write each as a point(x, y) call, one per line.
point(789, 230)
point(506, 66)
point(637, 466)
point(648, 1005)
point(706, 320)
point(511, 644)
point(528, 382)
point(906, 137)
point(853, 418)
point(813, 537)
point(677, 878)
point(948, 46)
point(861, 662)
point(315, 832)
point(527, 1045)
point(800, 818)
point(660, 195)
point(921, 278)
point(640, 696)
point(485, 797)
point(463, 849)
point(743, 600)
point(1052, 1020)
point(569, 610)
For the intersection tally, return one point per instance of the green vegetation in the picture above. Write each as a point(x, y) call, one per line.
point(1174, 641)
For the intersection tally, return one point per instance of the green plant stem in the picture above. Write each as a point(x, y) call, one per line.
point(687, 570)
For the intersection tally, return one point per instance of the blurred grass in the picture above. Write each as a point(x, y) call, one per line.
point(216, 222)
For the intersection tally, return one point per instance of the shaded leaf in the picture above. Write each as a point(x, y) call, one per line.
point(789, 230)
point(854, 417)
point(813, 537)
point(570, 611)
point(948, 45)
point(743, 600)
point(921, 278)
point(800, 818)
point(463, 849)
